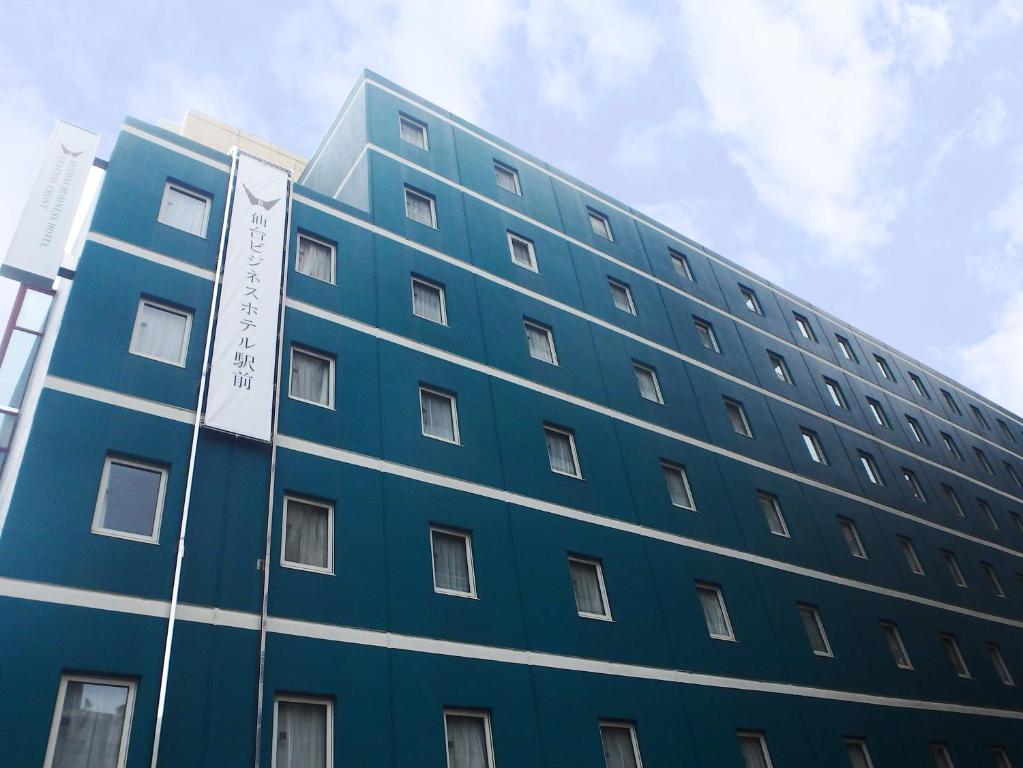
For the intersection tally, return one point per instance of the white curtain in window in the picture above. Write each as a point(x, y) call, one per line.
point(467, 742)
point(618, 751)
point(539, 344)
point(413, 134)
point(310, 378)
point(858, 755)
point(586, 585)
point(426, 302)
point(647, 385)
point(305, 540)
point(301, 735)
point(419, 208)
point(813, 630)
point(160, 334)
point(677, 486)
point(450, 562)
point(521, 254)
point(438, 415)
point(314, 259)
point(559, 448)
point(91, 724)
point(183, 211)
point(131, 499)
point(712, 611)
point(753, 752)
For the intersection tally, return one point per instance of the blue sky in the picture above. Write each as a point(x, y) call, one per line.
point(866, 155)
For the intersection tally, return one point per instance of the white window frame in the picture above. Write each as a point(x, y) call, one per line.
point(992, 576)
point(805, 329)
point(186, 336)
point(612, 283)
point(917, 430)
point(578, 475)
point(512, 239)
point(870, 468)
point(599, 567)
point(952, 562)
point(918, 385)
point(466, 537)
point(285, 563)
point(680, 260)
point(605, 225)
point(670, 466)
point(488, 734)
point(453, 399)
point(737, 407)
point(516, 182)
point(778, 364)
point(58, 709)
point(98, 513)
point(761, 739)
point(752, 303)
point(708, 328)
point(328, 704)
point(847, 351)
point(909, 552)
point(548, 333)
point(429, 198)
point(602, 724)
point(890, 628)
point(837, 395)
point(772, 501)
point(882, 365)
point(915, 489)
point(952, 649)
point(816, 613)
point(641, 368)
point(814, 446)
point(333, 256)
point(861, 744)
point(329, 405)
point(181, 189)
point(707, 588)
point(403, 118)
point(848, 525)
point(877, 411)
point(998, 662)
point(443, 300)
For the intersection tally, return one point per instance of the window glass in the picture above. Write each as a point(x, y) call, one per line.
point(852, 538)
point(561, 452)
point(522, 252)
point(419, 207)
point(438, 412)
point(646, 378)
point(858, 755)
point(468, 742)
point(706, 334)
point(600, 225)
point(894, 640)
point(621, 295)
point(507, 178)
point(737, 417)
point(451, 565)
point(184, 210)
point(911, 557)
point(588, 588)
point(681, 264)
point(541, 343)
point(412, 132)
point(315, 259)
point(307, 534)
point(311, 378)
point(678, 485)
point(131, 498)
point(428, 301)
point(813, 446)
point(713, 603)
point(90, 732)
point(619, 749)
point(955, 657)
point(161, 333)
point(301, 735)
point(754, 750)
point(814, 630)
point(772, 513)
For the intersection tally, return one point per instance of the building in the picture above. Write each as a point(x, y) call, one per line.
point(551, 485)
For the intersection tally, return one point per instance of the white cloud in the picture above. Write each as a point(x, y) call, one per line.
point(927, 35)
point(994, 365)
point(646, 145)
point(989, 126)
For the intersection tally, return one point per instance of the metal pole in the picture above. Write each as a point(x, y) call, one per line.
point(191, 468)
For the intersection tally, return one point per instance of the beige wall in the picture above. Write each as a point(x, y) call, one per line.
point(221, 136)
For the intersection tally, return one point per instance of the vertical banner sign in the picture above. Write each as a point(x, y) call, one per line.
point(241, 383)
point(42, 232)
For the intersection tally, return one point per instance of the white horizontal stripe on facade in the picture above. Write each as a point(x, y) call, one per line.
point(686, 242)
point(143, 253)
point(118, 603)
point(175, 147)
point(110, 397)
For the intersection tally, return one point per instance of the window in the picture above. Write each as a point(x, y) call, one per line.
point(507, 178)
point(918, 385)
point(588, 587)
point(413, 132)
point(814, 627)
point(955, 656)
point(184, 209)
point(308, 535)
point(998, 661)
point(161, 333)
point(813, 446)
point(439, 414)
point(1017, 520)
point(451, 552)
point(915, 488)
point(846, 348)
point(749, 299)
point(979, 416)
point(950, 445)
point(982, 458)
point(621, 747)
point(420, 207)
point(952, 404)
point(781, 371)
point(942, 759)
point(561, 451)
point(906, 544)
point(859, 757)
point(837, 397)
point(312, 378)
point(540, 340)
point(621, 295)
point(771, 508)
point(1006, 431)
point(753, 746)
point(712, 600)
point(428, 301)
point(678, 485)
point(805, 329)
point(953, 568)
point(985, 508)
point(992, 576)
point(870, 468)
point(130, 502)
point(737, 417)
point(681, 264)
point(522, 252)
point(1011, 472)
point(917, 430)
point(852, 538)
point(884, 368)
point(469, 741)
point(600, 224)
point(1001, 757)
point(646, 377)
point(895, 645)
point(877, 411)
point(91, 723)
point(315, 258)
point(953, 497)
point(705, 332)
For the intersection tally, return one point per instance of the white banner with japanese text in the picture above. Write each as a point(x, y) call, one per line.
point(241, 384)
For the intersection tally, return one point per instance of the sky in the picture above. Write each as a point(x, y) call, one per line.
point(866, 155)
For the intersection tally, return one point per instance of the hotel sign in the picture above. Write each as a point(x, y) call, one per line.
point(242, 366)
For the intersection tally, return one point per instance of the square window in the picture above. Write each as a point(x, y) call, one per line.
point(781, 370)
point(859, 757)
point(918, 385)
point(884, 368)
point(998, 661)
point(468, 738)
point(507, 178)
point(942, 759)
point(621, 747)
point(955, 656)
point(522, 252)
point(750, 300)
point(909, 551)
point(413, 132)
point(813, 446)
point(130, 502)
point(646, 378)
point(681, 265)
point(846, 349)
point(712, 600)
point(312, 378)
point(992, 576)
point(953, 568)
point(835, 391)
point(805, 329)
point(895, 645)
point(621, 295)
point(439, 415)
point(453, 572)
point(917, 430)
point(870, 468)
point(303, 732)
point(561, 451)
point(308, 535)
point(753, 746)
point(771, 508)
point(953, 497)
point(915, 489)
point(877, 411)
point(951, 446)
point(952, 404)
point(852, 538)
point(678, 485)
point(421, 207)
point(737, 417)
point(588, 587)
point(184, 209)
point(315, 259)
point(91, 722)
point(705, 332)
point(599, 224)
point(161, 333)
point(814, 627)
point(979, 416)
point(428, 301)
point(540, 340)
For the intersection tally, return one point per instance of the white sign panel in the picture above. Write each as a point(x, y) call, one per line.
point(241, 383)
point(38, 244)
